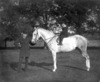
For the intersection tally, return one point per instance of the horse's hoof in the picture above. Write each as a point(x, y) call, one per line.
point(88, 69)
point(54, 70)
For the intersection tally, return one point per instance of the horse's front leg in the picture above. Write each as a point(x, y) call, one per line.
point(55, 61)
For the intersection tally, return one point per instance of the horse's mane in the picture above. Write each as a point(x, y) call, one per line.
point(50, 32)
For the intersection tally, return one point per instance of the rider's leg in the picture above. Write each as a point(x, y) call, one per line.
point(59, 39)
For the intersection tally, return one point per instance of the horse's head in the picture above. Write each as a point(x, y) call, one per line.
point(35, 36)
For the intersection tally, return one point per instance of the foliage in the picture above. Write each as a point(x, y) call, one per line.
point(84, 16)
point(75, 13)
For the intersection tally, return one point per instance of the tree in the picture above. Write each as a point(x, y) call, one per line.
point(17, 15)
point(11, 15)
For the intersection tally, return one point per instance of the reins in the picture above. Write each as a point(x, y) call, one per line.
point(50, 39)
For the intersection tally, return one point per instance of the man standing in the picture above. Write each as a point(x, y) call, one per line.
point(24, 40)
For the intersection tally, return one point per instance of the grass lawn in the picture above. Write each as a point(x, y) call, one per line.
point(71, 67)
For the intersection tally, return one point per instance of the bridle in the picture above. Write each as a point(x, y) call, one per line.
point(44, 38)
point(36, 36)
point(50, 39)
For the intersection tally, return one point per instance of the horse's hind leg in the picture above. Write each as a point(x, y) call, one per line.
point(84, 54)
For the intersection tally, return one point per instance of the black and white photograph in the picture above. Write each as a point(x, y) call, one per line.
point(49, 40)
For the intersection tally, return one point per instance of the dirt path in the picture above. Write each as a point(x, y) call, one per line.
point(71, 67)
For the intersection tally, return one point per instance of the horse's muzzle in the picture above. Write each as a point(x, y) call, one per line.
point(31, 43)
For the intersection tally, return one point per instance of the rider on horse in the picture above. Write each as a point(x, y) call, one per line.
point(64, 33)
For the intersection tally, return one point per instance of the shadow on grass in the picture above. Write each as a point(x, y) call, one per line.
point(14, 65)
point(41, 65)
point(44, 65)
point(73, 67)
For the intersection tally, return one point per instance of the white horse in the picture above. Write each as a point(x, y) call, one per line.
point(68, 44)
